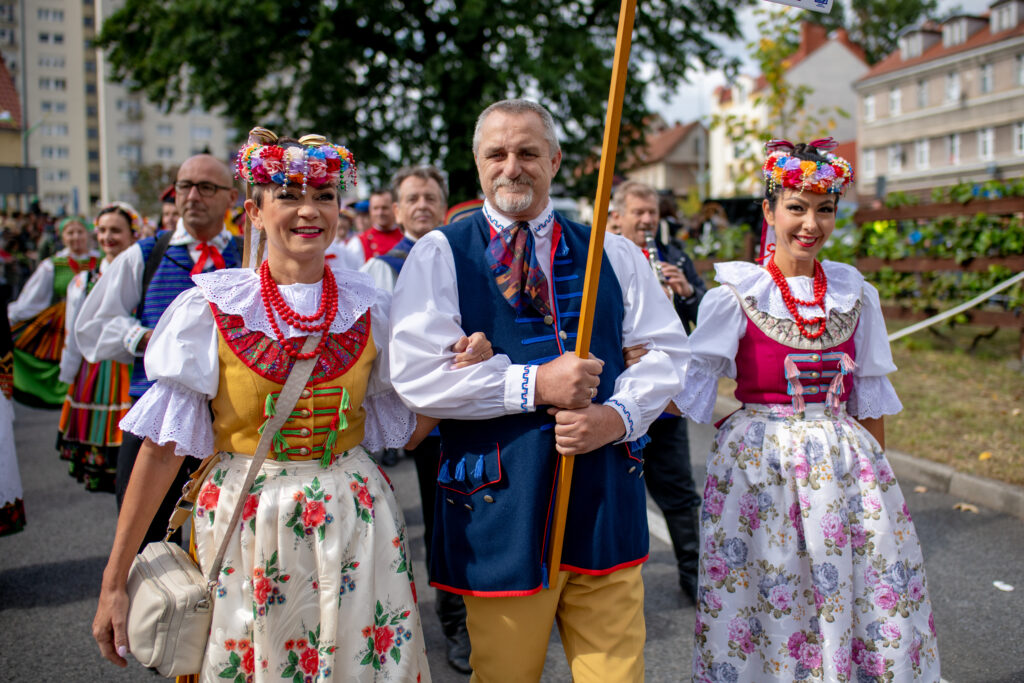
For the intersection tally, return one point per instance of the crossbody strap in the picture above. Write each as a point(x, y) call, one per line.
point(286, 401)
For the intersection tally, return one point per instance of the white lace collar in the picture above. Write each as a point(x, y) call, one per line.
point(845, 286)
point(236, 291)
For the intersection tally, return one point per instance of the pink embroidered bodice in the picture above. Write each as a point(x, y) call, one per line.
point(775, 364)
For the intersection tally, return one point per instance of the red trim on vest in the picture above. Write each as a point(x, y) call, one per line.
point(376, 242)
point(603, 572)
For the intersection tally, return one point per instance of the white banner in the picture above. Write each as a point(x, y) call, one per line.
point(824, 6)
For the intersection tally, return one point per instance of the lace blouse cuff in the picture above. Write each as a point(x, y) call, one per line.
point(697, 398)
point(873, 397)
point(389, 424)
point(169, 411)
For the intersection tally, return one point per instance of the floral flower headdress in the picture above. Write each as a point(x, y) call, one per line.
point(314, 161)
point(134, 219)
point(783, 169)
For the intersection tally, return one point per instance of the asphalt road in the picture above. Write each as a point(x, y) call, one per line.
point(50, 573)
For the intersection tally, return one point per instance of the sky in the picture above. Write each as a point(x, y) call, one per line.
point(693, 100)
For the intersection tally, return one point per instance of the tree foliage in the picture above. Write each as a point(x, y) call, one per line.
point(403, 81)
point(786, 108)
point(875, 25)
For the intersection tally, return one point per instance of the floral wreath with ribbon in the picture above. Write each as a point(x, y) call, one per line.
point(783, 169)
point(126, 209)
point(81, 220)
point(312, 162)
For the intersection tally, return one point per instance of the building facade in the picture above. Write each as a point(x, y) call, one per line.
point(89, 137)
point(947, 106)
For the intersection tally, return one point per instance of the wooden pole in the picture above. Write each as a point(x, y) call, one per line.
point(594, 258)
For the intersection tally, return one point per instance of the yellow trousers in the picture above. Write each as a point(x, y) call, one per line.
point(600, 620)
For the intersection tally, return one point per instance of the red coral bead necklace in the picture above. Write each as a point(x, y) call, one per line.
point(792, 303)
point(275, 304)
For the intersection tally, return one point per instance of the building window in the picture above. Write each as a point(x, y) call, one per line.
point(1020, 69)
point(202, 132)
point(129, 152)
point(55, 152)
point(164, 152)
point(46, 14)
point(986, 144)
point(868, 164)
point(953, 148)
point(165, 130)
point(954, 33)
point(896, 158)
point(57, 175)
point(921, 150)
point(54, 130)
point(94, 155)
point(869, 107)
point(1004, 17)
point(129, 130)
point(952, 86)
point(51, 61)
point(986, 78)
point(94, 177)
point(92, 133)
point(1018, 138)
point(53, 84)
point(922, 94)
point(895, 101)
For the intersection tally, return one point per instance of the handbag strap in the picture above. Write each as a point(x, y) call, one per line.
point(286, 401)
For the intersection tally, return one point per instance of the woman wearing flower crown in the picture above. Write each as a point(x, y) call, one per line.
point(810, 566)
point(318, 583)
point(97, 397)
point(37, 317)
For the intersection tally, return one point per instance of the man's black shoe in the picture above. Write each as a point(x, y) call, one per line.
point(457, 649)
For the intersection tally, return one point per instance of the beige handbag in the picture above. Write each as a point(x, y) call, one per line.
point(170, 600)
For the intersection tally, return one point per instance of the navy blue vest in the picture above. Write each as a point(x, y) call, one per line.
point(172, 277)
point(496, 477)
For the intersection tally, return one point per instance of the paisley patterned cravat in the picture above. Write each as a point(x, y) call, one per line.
point(512, 258)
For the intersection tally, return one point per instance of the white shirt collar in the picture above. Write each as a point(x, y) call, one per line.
point(182, 236)
point(541, 225)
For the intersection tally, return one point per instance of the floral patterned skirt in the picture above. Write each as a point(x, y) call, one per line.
point(810, 566)
point(317, 586)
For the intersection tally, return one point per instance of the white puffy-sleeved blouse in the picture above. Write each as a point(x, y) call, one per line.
point(182, 357)
point(721, 323)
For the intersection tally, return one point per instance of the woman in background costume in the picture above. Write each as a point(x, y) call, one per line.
point(810, 566)
point(12, 507)
point(97, 399)
point(37, 317)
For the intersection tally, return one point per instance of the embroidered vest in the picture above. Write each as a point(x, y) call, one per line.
point(496, 477)
point(172, 277)
point(328, 418)
point(376, 242)
point(772, 366)
point(63, 274)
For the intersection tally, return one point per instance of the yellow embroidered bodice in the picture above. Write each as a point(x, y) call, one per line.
point(329, 415)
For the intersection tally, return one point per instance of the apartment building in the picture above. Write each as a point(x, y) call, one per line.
point(89, 136)
point(947, 106)
point(671, 158)
point(828, 65)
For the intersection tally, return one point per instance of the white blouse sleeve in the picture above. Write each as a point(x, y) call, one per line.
point(389, 423)
point(872, 394)
point(721, 324)
point(35, 295)
point(107, 329)
point(71, 357)
point(182, 358)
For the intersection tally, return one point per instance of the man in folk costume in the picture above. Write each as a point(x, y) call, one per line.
point(383, 234)
point(118, 317)
point(515, 270)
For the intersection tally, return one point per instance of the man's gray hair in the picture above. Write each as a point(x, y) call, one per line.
point(631, 188)
point(421, 172)
point(520, 106)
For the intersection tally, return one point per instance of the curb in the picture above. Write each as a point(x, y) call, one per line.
point(995, 495)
